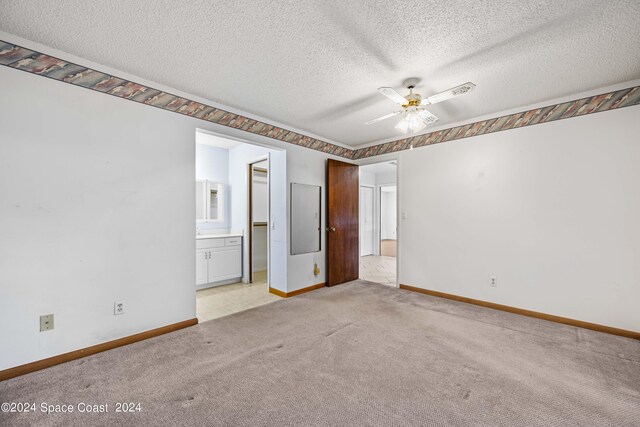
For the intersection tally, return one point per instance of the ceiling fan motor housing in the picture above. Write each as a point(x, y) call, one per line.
point(413, 100)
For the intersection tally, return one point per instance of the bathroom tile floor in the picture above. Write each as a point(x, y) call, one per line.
point(227, 299)
point(379, 269)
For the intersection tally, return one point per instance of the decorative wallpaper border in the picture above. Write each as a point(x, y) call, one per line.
point(41, 64)
point(593, 104)
point(28, 60)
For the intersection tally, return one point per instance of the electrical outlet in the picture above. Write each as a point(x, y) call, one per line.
point(118, 307)
point(46, 322)
point(493, 282)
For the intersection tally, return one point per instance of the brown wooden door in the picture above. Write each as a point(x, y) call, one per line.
point(342, 222)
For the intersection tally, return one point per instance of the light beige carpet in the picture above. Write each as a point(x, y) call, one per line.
point(359, 354)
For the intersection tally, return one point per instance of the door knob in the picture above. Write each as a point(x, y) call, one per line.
point(332, 229)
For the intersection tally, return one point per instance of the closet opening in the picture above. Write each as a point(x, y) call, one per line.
point(258, 224)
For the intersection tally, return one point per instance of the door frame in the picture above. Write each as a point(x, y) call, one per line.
point(275, 256)
point(373, 216)
point(398, 185)
point(249, 276)
point(398, 221)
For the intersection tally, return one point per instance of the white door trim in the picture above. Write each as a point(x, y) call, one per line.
point(248, 274)
point(373, 216)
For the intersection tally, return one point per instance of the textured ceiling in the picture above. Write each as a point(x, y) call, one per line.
point(315, 66)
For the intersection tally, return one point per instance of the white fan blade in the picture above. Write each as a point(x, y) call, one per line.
point(392, 95)
point(379, 119)
point(427, 117)
point(448, 94)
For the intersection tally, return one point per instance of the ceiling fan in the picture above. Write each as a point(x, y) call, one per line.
point(415, 116)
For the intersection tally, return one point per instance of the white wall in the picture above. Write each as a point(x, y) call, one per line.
point(212, 163)
point(388, 213)
point(367, 178)
point(366, 220)
point(306, 167)
point(368, 238)
point(97, 204)
point(550, 210)
point(386, 178)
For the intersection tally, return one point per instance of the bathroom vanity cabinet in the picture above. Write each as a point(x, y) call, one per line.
point(218, 260)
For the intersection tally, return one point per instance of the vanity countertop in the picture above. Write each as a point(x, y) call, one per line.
point(217, 236)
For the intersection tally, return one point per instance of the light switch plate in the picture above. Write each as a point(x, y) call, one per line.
point(46, 322)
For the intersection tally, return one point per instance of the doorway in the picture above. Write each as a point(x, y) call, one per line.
point(233, 189)
point(258, 224)
point(378, 257)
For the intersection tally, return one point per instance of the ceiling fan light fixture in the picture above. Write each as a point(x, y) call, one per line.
point(414, 116)
point(415, 122)
point(403, 125)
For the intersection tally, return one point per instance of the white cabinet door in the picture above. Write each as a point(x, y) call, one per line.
point(202, 263)
point(225, 264)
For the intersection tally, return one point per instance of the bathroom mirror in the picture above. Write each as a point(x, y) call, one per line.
point(305, 218)
point(209, 201)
